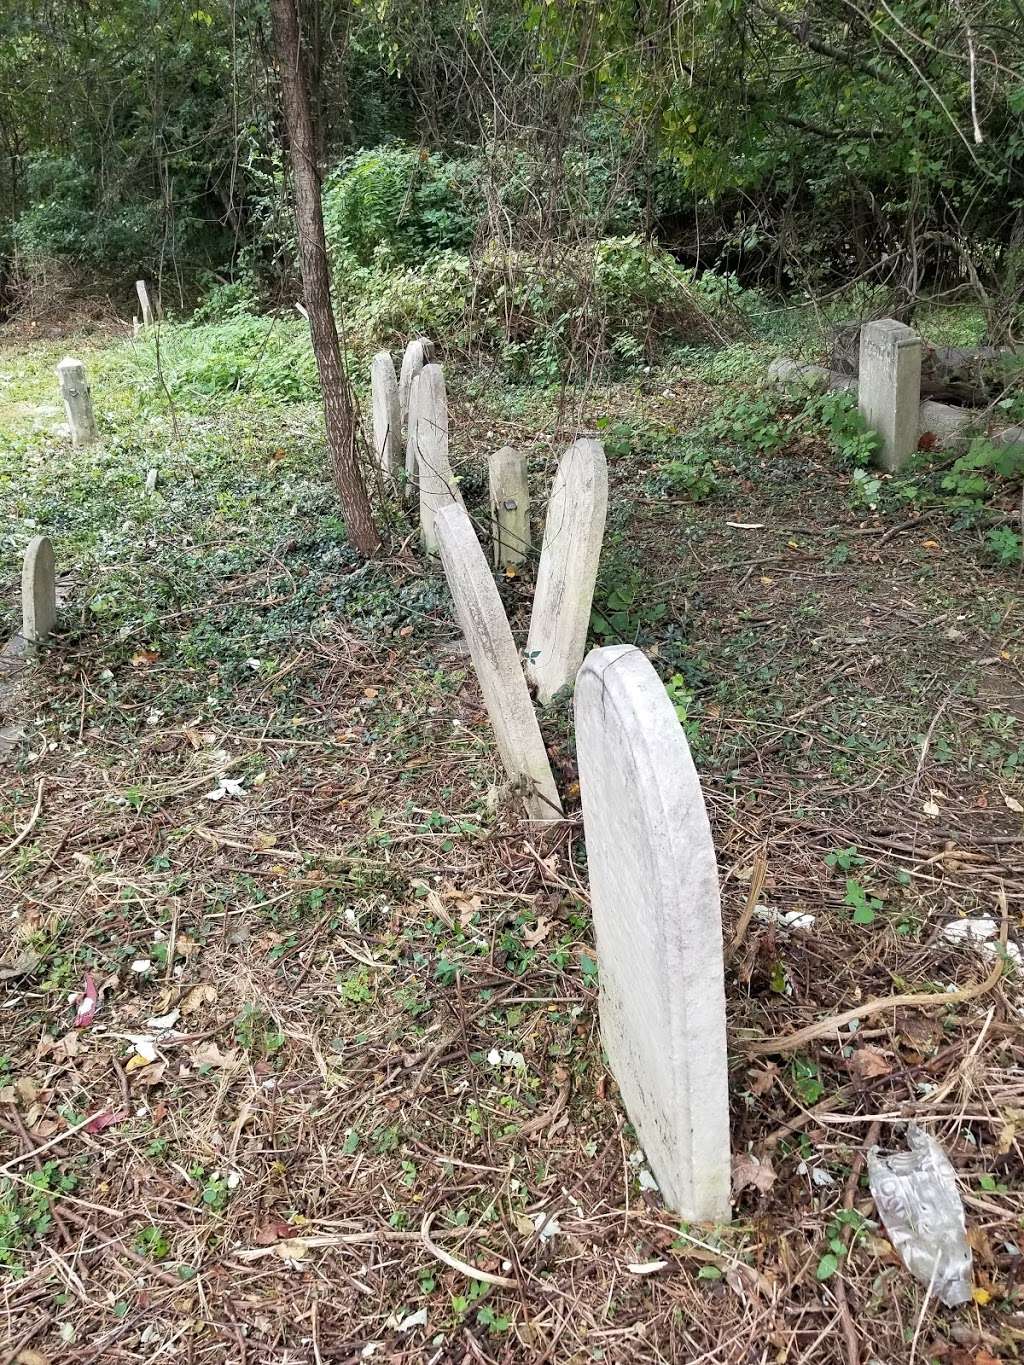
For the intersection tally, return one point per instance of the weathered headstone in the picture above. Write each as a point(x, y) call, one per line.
point(889, 393)
point(510, 506)
point(147, 307)
point(38, 591)
point(657, 926)
point(74, 389)
point(412, 472)
point(387, 422)
point(573, 531)
point(434, 473)
point(418, 353)
point(496, 661)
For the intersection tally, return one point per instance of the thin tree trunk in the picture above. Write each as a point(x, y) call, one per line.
point(339, 405)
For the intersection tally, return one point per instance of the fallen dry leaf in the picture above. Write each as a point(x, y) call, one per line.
point(539, 932)
point(88, 1003)
point(761, 1081)
point(868, 1062)
point(197, 997)
point(749, 1170)
point(209, 1054)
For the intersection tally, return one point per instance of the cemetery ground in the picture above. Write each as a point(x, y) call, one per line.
point(342, 1095)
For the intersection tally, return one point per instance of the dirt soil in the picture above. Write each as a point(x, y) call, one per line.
point(342, 1095)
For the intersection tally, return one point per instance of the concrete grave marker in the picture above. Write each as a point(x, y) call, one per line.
point(74, 389)
point(434, 473)
point(573, 531)
point(496, 661)
point(147, 307)
point(412, 472)
point(889, 393)
point(657, 926)
point(418, 353)
point(38, 591)
point(387, 422)
point(510, 506)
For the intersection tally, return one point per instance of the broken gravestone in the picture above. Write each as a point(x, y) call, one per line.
point(510, 507)
point(74, 389)
point(889, 393)
point(571, 550)
point(38, 591)
point(387, 422)
point(657, 926)
point(147, 307)
point(434, 474)
point(496, 662)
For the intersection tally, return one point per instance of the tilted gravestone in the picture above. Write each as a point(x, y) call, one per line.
point(38, 591)
point(434, 474)
point(510, 506)
point(147, 307)
point(418, 353)
point(74, 389)
point(889, 392)
point(657, 926)
point(496, 662)
point(571, 550)
point(387, 422)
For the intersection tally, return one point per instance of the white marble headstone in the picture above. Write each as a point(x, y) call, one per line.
point(418, 353)
point(657, 926)
point(387, 422)
point(571, 550)
point(434, 473)
point(38, 591)
point(496, 661)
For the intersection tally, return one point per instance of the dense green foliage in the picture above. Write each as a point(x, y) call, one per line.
point(798, 149)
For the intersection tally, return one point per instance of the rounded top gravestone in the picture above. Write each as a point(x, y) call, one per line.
point(657, 925)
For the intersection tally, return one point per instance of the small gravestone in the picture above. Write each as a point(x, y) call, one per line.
point(147, 307)
point(657, 927)
point(38, 591)
point(387, 423)
point(889, 392)
point(434, 473)
point(74, 389)
point(417, 354)
point(510, 507)
point(573, 531)
point(412, 473)
point(496, 661)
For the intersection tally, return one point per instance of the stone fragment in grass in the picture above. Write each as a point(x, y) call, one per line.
point(571, 551)
point(496, 661)
point(38, 591)
point(657, 927)
point(74, 389)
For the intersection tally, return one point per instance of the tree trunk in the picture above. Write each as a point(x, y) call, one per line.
point(339, 405)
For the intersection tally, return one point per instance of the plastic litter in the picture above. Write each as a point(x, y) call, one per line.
point(916, 1197)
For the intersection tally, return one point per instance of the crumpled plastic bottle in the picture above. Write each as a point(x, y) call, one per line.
point(917, 1199)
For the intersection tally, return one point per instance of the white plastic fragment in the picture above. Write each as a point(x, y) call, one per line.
point(785, 919)
point(917, 1199)
point(981, 933)
point(646, 1267)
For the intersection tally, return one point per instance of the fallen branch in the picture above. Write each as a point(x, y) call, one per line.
point(464, 1268)
point(20, 838)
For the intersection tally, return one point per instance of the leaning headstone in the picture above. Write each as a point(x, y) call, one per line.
point(387, 423)
point(496, 661)
point(147, 307)
point(434, 473)
point(510, 506)
point(889, 392)
point(38, 591)
point(418, 353)
point(657, 927)
point(74, 389)
point(573, 531)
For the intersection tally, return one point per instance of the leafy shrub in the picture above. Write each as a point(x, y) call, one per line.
point(62, 219)
point(412, 202)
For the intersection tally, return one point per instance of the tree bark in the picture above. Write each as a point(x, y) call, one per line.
point(339, 404)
